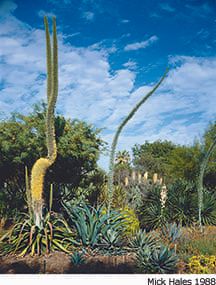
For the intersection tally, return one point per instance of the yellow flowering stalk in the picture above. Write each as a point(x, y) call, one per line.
point(42, 164)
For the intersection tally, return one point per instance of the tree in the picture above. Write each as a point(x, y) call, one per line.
point(122, 166)
point(22, 142)
point(153, 157)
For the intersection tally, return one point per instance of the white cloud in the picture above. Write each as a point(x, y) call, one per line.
point(167, 7)
point(125, 21)
point(88, 15)
point(139, 45)
point(130, 64)
point(43, 13)
point(90, 90)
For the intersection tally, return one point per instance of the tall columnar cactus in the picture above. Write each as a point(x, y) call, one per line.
point(42, 164)
point(115, 139)
point(203, 165)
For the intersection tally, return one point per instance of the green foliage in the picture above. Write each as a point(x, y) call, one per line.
point(151, 256)
point(203, 245)
point(181, 203)
point(208, 208)
point(78, 258)
point(152, 157)
point(159, 261)
point(22, 141)
point(10, 202)
point(25, 237)
point(171, 232)
point(150, 213)
point(131, 225)
point(203, 164)
point(94, 225)
point(144, 240)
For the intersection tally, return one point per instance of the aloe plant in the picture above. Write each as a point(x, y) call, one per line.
point(116, 137)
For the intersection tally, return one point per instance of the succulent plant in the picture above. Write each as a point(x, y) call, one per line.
point(116, 137)
point(162, 261)
point(40, 167)
point(144, 240)
point(78, 258)
point(172, 232)
point(94, 225)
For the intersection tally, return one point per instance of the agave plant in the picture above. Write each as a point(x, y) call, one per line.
point(161, 261)
point(78, 258)
point(94, 225)
point(144, 240)
point(172, 232)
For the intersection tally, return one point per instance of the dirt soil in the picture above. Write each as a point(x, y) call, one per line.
point(59, 263)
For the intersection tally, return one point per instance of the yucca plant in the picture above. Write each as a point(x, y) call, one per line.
point(181, 203)
point(151, 256)
point(116, 137)
point(208, 209)
point(150, 213)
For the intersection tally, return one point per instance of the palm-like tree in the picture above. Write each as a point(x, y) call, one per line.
point(122, 157)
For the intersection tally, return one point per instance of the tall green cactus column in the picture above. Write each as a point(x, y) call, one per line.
point(42, 164)
point(115, 139)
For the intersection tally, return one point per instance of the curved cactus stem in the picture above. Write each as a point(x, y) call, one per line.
point(203, 165)
point(115, 139)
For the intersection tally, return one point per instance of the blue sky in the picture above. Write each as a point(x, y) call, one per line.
point(110, 55)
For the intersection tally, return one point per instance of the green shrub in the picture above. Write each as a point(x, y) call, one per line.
point(131, 225)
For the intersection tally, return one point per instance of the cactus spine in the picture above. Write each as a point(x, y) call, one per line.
point(42, 164)
point(203, 165)
point(115, 139)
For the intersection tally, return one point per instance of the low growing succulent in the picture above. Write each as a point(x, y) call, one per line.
point(78, 258)
point(26, 237)
point(94, 225)
point(172, 232)
point(162, 261)
point(144, 240)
